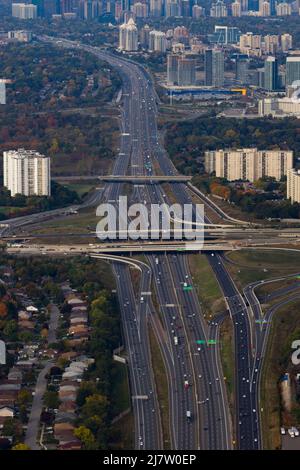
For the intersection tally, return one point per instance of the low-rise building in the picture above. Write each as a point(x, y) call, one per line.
point(20, 35)
point(279, 107)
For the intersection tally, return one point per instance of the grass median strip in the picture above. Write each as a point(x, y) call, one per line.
point(161, 381)
point(207, 287)
point(228, 361)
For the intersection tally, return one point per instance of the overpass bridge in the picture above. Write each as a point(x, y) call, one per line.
point(145, 179)
point(120, 248)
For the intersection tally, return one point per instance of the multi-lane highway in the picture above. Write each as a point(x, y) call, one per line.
point(144, 400)
point(261, 326)
point(199, 413)
point(247, 414)
point(199, 408)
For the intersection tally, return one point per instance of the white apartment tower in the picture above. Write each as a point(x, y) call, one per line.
point(283, 9)
point(24, 11)
point(286, 42)
point(157, 41)
point(128, 36)
point(248, 164)
point(26, 172)
point(236, 9)
point(293, 185)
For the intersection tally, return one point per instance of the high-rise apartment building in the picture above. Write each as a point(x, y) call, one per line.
point(218, 9)
point(197, 11)
point(248, 163)
point(181, 70)
point(156, 8)
point(283, 9)
point(236, 9)
point(214, 67)
point(26, 172)
point(24, 11)
point(51, 7)
point(292, 69)
point(172, 8)
point(144, 35)
point(293, 185)
point(172, 68)
point(140, 10)
point(90, 9)
point(286, 41)
point(181, 34)
point(271, 43)
point(271, 74)
point(157, 41)
point(186, 71)
point(250, 41)
point(264, 8)
point(128, 36)
point(242, 69)
point(186, 8)
point(244, 5)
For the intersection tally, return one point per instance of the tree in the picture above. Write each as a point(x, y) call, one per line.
point(10, 330)
point(21, 446)
point(51, 399)
point(85, 390)
point(8, 427)
point(25, 336)
point(86, 437)
point(3, 310)
point(95, 405)
point(24, 397)
point(12, 427)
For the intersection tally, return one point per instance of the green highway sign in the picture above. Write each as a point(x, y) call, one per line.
point(209, 341)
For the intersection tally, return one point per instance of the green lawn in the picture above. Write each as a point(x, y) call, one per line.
point(227, 359)
point(256, 265)
point(266, 258)
point(71, 223)
point(208, 289)
point(80, 188)
point(285, 328)
point(8, 209)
